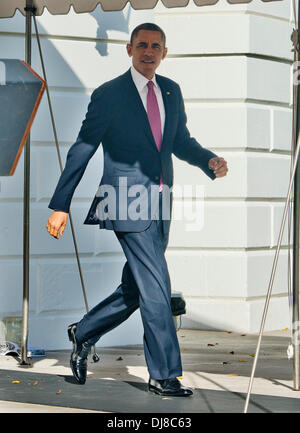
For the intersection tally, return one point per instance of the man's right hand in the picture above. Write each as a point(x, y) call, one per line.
point(57, 222)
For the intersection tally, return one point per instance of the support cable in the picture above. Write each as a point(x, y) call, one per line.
point(275, 261)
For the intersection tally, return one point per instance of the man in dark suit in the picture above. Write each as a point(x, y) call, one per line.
point(140, 119)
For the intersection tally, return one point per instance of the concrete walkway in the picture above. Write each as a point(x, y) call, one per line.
point(217, 365)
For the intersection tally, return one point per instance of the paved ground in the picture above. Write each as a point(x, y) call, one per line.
point(217, 365)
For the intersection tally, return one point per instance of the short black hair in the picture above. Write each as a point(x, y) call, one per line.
point(148, 26)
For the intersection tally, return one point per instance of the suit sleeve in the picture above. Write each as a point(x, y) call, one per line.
point(91, 133)
point(187, 148)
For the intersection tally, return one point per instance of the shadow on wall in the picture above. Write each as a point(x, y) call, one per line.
point(67, 77)
point(109, 21)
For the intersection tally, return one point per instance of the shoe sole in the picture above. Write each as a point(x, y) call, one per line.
point(154, 391)
point(71, 335)
point(74, 371)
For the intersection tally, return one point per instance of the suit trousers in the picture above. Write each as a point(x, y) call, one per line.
point(145, 284)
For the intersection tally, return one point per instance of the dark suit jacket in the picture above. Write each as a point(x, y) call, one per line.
point(117, 118)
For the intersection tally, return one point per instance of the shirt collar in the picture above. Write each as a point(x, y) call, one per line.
point(139, 80)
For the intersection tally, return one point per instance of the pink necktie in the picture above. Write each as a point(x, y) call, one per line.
point(154, 120)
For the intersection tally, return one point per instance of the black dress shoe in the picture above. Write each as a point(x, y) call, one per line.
point(78, 360)
point(78, 363)
point(169, 388)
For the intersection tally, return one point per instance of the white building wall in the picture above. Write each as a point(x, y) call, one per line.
point(81, 52)
point(233, 65)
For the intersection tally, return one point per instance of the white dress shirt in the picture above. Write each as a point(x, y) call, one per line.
point(141, 84)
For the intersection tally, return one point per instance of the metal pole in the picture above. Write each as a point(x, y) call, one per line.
point(296, 239)
point(25, 313)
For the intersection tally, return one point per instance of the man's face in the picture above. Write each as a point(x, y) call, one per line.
point(147, 51)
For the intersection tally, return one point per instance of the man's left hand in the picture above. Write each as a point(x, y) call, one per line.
point(219, 166)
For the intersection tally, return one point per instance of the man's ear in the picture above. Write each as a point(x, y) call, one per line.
point(129, 50)
point(165, 52)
